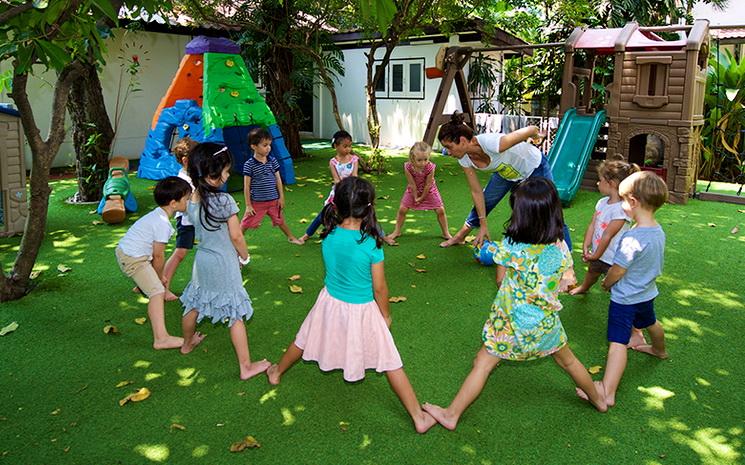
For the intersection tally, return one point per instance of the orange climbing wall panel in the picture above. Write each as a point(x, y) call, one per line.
point(187, 84)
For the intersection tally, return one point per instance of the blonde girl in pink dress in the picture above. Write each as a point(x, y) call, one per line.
point(421, 192)
point(347, 328)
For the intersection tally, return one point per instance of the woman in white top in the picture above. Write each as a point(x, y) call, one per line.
point(509, 156)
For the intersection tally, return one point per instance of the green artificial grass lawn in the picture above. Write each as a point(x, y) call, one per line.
point(719, 187)
point(60, 371)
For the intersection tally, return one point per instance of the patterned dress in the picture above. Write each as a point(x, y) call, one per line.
point(524, 321)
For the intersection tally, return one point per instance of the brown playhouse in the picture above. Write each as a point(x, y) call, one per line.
point(655, 102)
point(13, 204)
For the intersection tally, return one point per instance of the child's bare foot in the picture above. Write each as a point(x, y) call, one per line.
point(578, 290)
point(195, 340)
point(295, 240)
point(649, 349)
point(447, 236)
point(169, 342)
point(441, 415)
point(253, 369)
point(170, 296)
point(393, 236)
point(272, 374)
point(390, 241)
point(636, 340)
point(424, 422)
point(609, 401)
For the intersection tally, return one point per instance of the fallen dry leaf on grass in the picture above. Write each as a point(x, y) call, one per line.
point(344, 426)
point(138, 396)
point(594, 370)
point(384, 197)
point(294, 277)
point(397, 299)
point(9, 328)
point(63, 268)
point(296, 289)
point(123, 383)
point(249, 442)
point(320, 196)
point(734, 230)
point(712, 225)
point(469, 239)
point(421, 256)
point(303, 220)
point(420, 270)
point(140, 321)
point(96, 222)
point(178, 427)
point(55, 411)
point(110, 329)
point(34, 274)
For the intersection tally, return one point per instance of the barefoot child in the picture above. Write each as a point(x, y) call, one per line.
point(141, 254)
point(421, 192)
point(347, 328)
point(216, 289)
point(631, 279)
point(262, 186)
point(184, 228)
point(524, 322)
point(342, 165)
point(607, 225)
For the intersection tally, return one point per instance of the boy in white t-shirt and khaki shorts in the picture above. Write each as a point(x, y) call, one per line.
point(141, 254)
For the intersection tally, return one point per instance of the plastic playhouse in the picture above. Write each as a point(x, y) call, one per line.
point(13, 199)
point(655, 107)
point(212, 98)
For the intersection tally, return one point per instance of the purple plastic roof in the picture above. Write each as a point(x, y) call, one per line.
point(203, 44)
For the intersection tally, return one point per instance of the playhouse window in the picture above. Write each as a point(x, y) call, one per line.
point(651, 83)
point(402, 80)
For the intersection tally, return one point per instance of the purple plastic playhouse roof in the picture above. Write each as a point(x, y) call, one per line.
point(203, 44)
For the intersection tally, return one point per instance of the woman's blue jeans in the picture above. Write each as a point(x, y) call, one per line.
point(498, 187)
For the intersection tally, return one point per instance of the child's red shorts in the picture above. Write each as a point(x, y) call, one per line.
point(270, 208)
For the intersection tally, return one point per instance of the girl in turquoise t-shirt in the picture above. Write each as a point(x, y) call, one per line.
point(524, 321)
point(347, 328)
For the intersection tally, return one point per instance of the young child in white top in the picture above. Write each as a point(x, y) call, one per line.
point(184, 228)
point(421, 190)
point(141, 254)
point(607, 225)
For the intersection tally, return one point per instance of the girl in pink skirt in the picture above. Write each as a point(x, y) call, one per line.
point(421, 192)
point(347, 328)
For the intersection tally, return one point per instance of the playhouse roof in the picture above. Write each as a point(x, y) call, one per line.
point(632, 37)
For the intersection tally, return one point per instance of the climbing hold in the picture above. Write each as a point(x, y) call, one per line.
point(229, 63)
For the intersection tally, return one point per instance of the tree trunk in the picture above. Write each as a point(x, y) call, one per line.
point(373, 122)
point(16, 284)
point(92, 133)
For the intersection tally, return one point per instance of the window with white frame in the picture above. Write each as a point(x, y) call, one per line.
point(403, 79)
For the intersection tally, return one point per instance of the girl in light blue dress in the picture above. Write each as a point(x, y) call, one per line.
point(216, 288)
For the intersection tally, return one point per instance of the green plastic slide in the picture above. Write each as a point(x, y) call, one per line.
point(571, 149)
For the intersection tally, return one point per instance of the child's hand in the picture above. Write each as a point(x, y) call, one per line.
point(244, 261)
point(249, 211)
point(568, 280)
point(281, 203)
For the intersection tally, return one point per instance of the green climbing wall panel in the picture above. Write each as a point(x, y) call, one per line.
point(230, 96)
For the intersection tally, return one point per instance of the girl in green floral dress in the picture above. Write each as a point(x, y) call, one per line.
point(524, 321)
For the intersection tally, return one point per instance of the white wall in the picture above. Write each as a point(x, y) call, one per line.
point(159, 65)
point(732, 15)
point(403, 122)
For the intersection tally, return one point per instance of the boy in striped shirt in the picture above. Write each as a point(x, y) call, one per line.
point(262, 186)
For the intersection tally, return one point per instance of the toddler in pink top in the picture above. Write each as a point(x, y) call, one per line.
point(421, 192)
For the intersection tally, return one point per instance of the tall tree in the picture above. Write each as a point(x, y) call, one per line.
point(388, 22)
point(53, 35)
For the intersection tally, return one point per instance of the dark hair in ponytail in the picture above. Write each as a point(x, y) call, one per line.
point(454, 129)
point(208, 160)
point(355, 198)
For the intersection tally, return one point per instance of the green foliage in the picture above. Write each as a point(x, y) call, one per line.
point(723, 134)
point(482, 81)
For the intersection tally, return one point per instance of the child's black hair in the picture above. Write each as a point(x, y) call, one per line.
point(536, 213)
point(454, 129)
point(208, 160)
point(170, 188)
point(355, 198)
point(257, 135)
point(340, 136)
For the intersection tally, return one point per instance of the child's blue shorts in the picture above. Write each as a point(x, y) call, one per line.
point(184, 235)
point(621, 318)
